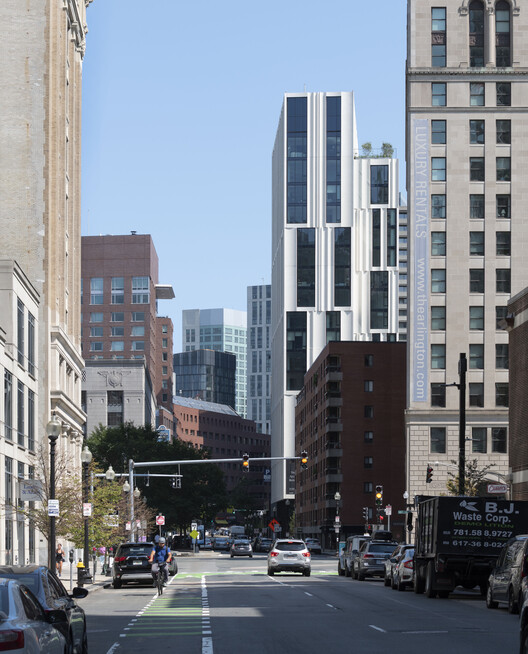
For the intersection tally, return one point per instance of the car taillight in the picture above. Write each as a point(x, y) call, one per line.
point(11, 639)
point(408, 564)
point(274, 554)
point(306, 554)
point(120, 559)
point(368, 556)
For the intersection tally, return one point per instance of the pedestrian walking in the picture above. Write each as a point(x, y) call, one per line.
point(59, 559)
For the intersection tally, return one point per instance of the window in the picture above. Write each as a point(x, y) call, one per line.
point(502, 34)
point(438, 280)
point(21, 396)
point(368, 386)
point(96, 317)
point(503, 94)
point(369, 360)
point(476, 318)
point(438, 206)
point(476, 206)
point(438, 94)
point(501, 356)
point(117, 331)
point(501, 394)
point(376, 237)
point(438, 440)
point(438, 318)
point(296, 119)
point(503, 132)
point(164, 329)
point(379, 184)
point(140, 290)
point(368, 436)
point(31, 344)
point(368, 411)
point(96, 290)
point(391, 237)
point(333, 159)
point(368, 462)
point(295, 349)
point(503, 280)
point(138, 345)
point(305, 267)
point(114, 401)
point(138, 330)
point(31, 420)
point(479, 440)
point(503, 244)
point(503, 169)
point(476, 34)
point(139, 316)
point(96, 331)
point(438, 169)
point(476, 394)
point(117, 346)
point(476, 280)
point(503, 206)
point(118, 290)
point(379, 299)
point(438, 244)
point(476, 244)
point(498, 440)
point(438, 37)
point(333, 326)
point(438, 395)
point(96, 346)
point(476, 94)
point(500, 315)
point(20, 331)
point(165, 342)
point(438, 357)
point(368, 487)
point(476, 356)
point(438, 131)
point(476, 169)
point(476, 132)
point(117, 317)
point(164, 370)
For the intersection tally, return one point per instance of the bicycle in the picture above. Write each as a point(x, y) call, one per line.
point(160, 576)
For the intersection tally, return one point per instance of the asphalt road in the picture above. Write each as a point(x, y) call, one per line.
point(218, 605)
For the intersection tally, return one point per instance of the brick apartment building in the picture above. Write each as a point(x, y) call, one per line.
point(350, 419)
point(120, 290)
point(219, 429)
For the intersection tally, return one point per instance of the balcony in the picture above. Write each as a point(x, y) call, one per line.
point(333, 449)
point(333, 398)
point(333, 476)
point(333, 373)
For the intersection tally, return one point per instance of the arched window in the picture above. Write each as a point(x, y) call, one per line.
point(476, 34)
point(502, 34)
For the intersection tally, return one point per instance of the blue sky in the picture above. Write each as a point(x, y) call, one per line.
point(180, 108)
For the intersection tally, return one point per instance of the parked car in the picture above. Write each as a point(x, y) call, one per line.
point(241, 547)
point(390, 563)
point(24, 625)
point(345, 564)
point(60, 606)
point(221, 543)
point(131, 563)
point(289, 556)
point(523, 610)
point(402, 575)
point(208, 543)
point(313, 545)
point(504, 583)
point(370, 561)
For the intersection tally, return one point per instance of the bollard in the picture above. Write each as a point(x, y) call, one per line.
point(80, 574)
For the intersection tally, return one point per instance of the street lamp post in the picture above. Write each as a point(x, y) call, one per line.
point(53, 431)
point(337, 524)
point(86, 459)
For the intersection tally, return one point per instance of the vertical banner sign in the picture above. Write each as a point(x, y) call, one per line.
point(419, 305)
point(290, 471)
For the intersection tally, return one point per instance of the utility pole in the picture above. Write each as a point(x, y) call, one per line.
point(462, 370)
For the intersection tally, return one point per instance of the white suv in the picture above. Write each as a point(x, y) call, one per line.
point(289, 555)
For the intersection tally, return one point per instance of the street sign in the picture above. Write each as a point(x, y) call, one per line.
point(128, 526)
point(267, 475)
point(400, 512)
point(160, 519)
point(497, 489)
point(338, 519)
point(87, 509)
point(53, 508)
point(273, 524)
point(194, 534)
point(388, 510)
point(194, 526)
point(30, 490)
point(111, 520)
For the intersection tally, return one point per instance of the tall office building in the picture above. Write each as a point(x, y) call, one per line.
point(467, 123)
point(259, 356)
point(120, 293)
point(334, 251)
point(41, 50)
point(207, 375)
point(224, 330)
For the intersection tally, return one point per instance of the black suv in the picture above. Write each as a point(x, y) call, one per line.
point(504, 583)
point(131, 563)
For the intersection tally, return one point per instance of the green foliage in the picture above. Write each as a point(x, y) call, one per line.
point(475, 478)
point(366, 148)
point(202, 494)
point(387, 150)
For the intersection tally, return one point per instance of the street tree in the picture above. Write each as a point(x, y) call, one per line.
point(475, 478)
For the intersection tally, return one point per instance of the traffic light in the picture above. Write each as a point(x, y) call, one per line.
point(365, 513)
point(379, 497)
point(304, 459)
point(429, 476)
point(245, 462)
point(173, 482)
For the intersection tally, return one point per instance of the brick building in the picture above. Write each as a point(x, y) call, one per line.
point(350, 419)
point(219, 429)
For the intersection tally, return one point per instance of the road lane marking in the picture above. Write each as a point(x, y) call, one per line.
point(424, 632)
point(373, 626)
point(207, 640)
point(309, 594)
point(113, 648)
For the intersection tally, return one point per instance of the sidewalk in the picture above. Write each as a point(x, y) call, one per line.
point(99, 581)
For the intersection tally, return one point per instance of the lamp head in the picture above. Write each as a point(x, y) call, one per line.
point(110, 474)
point(54, 427)
point(86, 455)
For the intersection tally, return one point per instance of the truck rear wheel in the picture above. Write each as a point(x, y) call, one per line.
point(429, 580)
point(419, 583)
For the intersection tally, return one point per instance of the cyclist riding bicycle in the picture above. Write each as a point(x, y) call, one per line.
point(160, 556)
